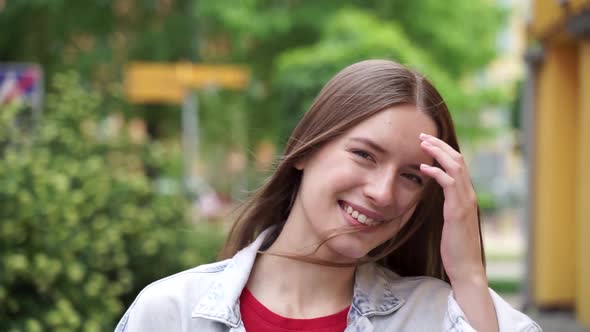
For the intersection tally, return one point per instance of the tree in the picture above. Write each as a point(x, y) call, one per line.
point(97, 39)
point(295, 46)
point(83, 228)
point(448, 40)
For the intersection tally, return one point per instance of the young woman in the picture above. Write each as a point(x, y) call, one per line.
point(369, 223)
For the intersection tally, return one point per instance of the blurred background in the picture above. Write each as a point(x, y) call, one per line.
point(131, 129)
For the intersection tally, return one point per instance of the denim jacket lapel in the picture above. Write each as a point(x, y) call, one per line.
point(221, 303)
point(372, 295)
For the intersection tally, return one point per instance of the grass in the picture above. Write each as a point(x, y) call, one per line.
point(505, 286)
point(503, 256)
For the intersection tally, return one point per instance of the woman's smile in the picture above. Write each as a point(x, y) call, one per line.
point(359, 217)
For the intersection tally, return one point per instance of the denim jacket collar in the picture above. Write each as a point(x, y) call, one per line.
point(373, 292)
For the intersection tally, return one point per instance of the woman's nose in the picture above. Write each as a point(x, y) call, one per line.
point(380, 189)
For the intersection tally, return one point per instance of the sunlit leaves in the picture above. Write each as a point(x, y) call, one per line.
point(81, 224)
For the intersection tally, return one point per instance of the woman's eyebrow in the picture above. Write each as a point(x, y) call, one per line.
point(379, 149)
point(369, 143)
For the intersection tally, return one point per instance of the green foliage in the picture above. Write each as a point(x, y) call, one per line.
point(506, 286)
point(295, 47)
point(347, 37)
point(487, 202)
point(352, 35)
point(82, 229)
point(291, 47)
point(459, 35)
point(97, 39)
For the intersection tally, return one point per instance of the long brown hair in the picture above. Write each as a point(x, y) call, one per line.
point(351, 96)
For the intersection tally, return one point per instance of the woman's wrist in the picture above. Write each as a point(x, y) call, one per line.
point(472, 278)
point(472, 294)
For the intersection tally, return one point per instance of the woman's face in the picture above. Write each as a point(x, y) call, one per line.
point(365, 179)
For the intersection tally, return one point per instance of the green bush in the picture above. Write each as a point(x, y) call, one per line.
point(82, 228)
point(487, 202)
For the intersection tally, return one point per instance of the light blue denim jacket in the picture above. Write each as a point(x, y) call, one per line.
point(206, 298)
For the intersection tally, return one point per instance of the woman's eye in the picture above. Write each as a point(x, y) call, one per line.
point(413, 177)
point(363, 154)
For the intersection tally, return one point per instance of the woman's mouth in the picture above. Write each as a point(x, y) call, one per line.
point(357, 217)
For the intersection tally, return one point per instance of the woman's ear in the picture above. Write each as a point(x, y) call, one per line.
point(300, 164)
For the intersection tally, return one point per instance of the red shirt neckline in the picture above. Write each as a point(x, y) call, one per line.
point(248, 300)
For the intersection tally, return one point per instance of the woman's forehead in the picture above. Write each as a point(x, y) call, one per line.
point(398, 122)
point(395, 130)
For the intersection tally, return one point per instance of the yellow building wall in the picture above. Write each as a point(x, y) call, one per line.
point(583, 192)
point(561, 225)
point(555, 180)
point(548, 13)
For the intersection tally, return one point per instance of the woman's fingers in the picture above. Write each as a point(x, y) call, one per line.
point(453, 177)
point(451, 161)
point(444, 179)
point(443, 158)
point(443, 146)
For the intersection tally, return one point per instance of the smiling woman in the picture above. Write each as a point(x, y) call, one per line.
point(368, 170)
point(368, 223)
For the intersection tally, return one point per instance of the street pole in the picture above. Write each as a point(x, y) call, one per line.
point(190, 141)
point(533, 59)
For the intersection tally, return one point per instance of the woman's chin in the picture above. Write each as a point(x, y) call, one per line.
point(345, 250)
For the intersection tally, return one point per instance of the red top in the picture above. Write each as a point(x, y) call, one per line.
point(258, 318)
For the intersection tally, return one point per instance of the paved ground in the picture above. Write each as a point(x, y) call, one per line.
point(559, 321)
point(505, 251)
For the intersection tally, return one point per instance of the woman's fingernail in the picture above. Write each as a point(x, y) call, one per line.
point(423, 136)
point(426, 143)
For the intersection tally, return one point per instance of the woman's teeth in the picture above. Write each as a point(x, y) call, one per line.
point(360, 217)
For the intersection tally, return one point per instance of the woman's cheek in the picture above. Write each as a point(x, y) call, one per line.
point(406, 198)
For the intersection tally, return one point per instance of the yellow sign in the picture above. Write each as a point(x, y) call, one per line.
point(168, 83)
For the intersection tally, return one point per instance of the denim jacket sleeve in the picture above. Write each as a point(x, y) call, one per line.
point(151, 313)
point(509, 319)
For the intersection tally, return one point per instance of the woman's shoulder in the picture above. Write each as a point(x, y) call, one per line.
point(382, 290)
point(170, 300)
point(416, 287)
point(394, 277)
point(183, 283)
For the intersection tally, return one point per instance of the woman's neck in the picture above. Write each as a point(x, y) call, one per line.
point(295, 288)
point(298, 289)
